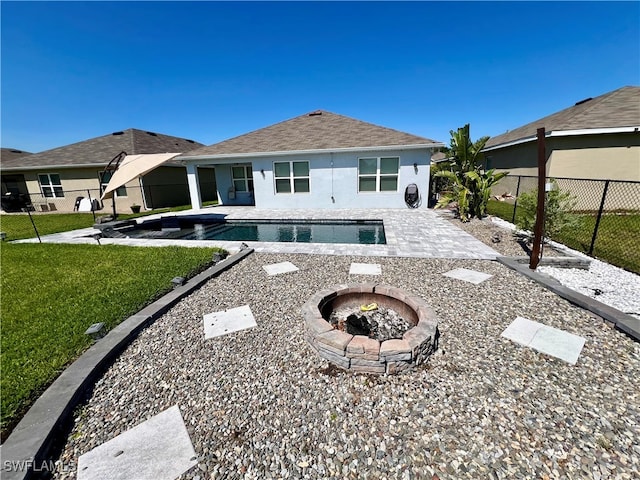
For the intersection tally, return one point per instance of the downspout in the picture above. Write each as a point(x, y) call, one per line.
point(333, 198)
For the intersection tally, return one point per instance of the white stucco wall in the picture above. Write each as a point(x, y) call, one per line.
point(224, 182)
point(331, 175)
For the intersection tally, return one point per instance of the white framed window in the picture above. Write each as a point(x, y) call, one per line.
point(242, 178)
point(50, 185)
point(291, 177)
point(105, 178)
point(378, 174)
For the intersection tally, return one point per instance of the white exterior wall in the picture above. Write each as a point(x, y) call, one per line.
point(330, 175)
point(224, 182)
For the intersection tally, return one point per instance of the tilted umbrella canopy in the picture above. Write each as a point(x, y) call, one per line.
point(134, 166)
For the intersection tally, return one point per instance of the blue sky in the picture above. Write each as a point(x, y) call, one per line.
point(209, 71)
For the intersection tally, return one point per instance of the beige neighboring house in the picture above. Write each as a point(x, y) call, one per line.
point(56, 179)
point(597, 138)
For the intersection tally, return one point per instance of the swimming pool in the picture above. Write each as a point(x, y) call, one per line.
point(363, 232)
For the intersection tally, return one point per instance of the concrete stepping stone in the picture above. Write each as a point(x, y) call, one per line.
point(278, 268)
point(467, 275)
point(552, 341)
point(228, 321)
point(365, 269)
point(159, 448)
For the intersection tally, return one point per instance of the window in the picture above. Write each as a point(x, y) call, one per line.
point(106, 177)
point(378, 174)
point(50, 185)
point(291, 177)
point(242, 178)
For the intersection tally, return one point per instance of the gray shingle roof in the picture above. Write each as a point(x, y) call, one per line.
point(438, 157)
point(11, 154)
point(619, 108)
point(319, 130)
point(100, 150)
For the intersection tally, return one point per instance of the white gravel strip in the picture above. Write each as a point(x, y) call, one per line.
point(606, 283)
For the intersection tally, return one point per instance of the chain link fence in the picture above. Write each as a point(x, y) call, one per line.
point(58, 201)
point(606, 215)
point(26, 215)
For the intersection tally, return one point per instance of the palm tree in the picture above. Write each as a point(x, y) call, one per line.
point(465, 153)
point(471, 187)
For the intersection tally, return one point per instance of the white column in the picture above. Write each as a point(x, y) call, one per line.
point(194, 186)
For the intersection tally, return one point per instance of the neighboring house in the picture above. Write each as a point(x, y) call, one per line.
point(439, 157)
point(10, 154)
point(597, 138)
point(316, 160)
point(56, 179)
point(14, 193)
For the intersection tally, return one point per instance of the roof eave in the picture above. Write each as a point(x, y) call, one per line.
point(566, 133)
point(49, 167)
point(224, 156)
point(170, 163)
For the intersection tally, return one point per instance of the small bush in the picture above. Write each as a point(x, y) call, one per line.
point(557, 213)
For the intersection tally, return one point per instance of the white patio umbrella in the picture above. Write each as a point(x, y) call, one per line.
point(134, 166)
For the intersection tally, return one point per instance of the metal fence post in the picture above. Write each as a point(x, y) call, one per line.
point(28, 210)
point(515, 204)
point(93, 210)
point(595, 228)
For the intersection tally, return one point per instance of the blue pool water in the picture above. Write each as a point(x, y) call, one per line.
point(362, 232)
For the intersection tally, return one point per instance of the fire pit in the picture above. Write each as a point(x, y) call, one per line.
point(370, 328)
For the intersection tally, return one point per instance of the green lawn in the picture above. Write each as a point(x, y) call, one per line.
point(503, 210)
point(51, 293)
point(19, 226)
point(616, 242)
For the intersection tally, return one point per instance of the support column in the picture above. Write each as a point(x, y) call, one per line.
point(194, 186)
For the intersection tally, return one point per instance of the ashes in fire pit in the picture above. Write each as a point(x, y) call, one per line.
point(380, 324)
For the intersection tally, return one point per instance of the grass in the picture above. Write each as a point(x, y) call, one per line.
point(503, 210)
point(19, 226)
point(51, 293)
point(616, 242)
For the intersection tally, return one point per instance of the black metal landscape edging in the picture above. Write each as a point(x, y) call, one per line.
point(624, 322)
point(24, 453)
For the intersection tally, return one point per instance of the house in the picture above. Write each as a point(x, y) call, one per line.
point(12, 183)
point(10, 154)
point(597, 138)
point(316, 160)
point(58, 179)
point(440, 157)
point(13, 197)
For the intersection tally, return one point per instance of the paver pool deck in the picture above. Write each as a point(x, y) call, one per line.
point(419, 233)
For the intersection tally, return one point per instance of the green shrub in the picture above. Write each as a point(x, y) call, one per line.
point(557, 213)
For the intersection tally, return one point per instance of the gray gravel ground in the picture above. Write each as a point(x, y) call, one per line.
point(485, 230)
point(261, 404)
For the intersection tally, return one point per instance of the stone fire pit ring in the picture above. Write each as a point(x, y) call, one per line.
point(359, 353)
